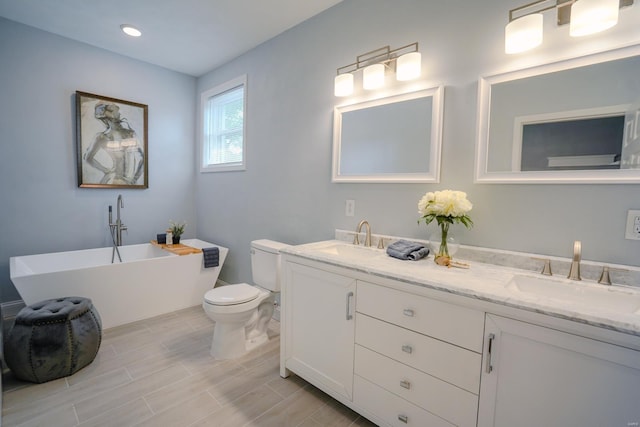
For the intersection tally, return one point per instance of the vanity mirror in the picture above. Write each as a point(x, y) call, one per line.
point(574, 121)
point(393, 139)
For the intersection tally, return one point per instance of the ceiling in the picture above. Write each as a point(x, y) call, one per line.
point(189, 36)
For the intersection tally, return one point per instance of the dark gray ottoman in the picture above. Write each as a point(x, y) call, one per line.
point(53, 339)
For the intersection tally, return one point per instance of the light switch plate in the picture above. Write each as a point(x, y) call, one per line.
point(633, 225)
point(350, 208)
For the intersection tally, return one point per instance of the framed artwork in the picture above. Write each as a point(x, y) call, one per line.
point(111, 138)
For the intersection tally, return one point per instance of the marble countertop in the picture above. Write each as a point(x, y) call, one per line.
point(481, 281)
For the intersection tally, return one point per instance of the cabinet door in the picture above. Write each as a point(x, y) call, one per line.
point(536, 376)
point(321, 327)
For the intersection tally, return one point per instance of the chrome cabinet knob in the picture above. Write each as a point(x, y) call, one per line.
point(408, 312)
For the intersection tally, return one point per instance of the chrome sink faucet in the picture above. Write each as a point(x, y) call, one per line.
point(367, 240)
point(574, 271)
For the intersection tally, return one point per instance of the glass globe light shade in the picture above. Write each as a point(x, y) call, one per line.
point(373, 77)
point(408, 66)
point(523, 34)
point(593, 16)
point(343, 85)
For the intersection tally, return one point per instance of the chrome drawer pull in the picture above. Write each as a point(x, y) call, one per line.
point(408, 312)
point(403, 418)
point(489, 367)
point(407, 349)
point(349, 297)
point(405, 384)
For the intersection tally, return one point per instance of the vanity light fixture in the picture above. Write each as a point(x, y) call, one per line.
point(524, 30)
point(130, 30)
point(405, 60)
point(593, 16)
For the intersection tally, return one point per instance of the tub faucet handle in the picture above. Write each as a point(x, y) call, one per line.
point(546, 270)
point(605, 278)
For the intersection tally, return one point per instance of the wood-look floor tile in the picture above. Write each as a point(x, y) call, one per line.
point(159, 372)
point(96, 404)
point(334, 414)
point(132, 341)
point(129, 414)
point(200, 322)
point(260, 354)
point(362, 422)
point(162, 359)
point(186, 339)
point(64, 415)
point(123, 330)
point(192, 385)
point(286, 386)
point(241, 384)
point(242, 410)
point(310, 422)
point(23, 391)
point(293, 410)
point(185, 413)
point(97, 386)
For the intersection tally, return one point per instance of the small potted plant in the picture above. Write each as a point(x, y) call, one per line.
point(177, 229)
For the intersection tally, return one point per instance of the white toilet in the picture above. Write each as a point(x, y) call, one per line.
point(241, 311)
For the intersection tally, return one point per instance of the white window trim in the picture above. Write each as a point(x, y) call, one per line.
point(204, 98)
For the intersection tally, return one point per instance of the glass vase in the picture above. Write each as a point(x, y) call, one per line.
point(443, 244)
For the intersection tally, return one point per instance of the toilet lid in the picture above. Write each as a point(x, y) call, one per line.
point(231, 294)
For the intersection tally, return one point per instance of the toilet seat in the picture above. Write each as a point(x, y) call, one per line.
point(232, 294)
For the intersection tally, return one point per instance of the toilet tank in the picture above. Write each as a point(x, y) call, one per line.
point(265, 263)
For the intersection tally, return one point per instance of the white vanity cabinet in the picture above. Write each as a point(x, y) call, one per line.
point(538, 376)
point(319, 313)
point(403, 354)
point(417, 359)
point(397, 357)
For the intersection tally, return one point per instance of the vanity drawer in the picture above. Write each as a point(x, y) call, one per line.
point(450, 363)
point(448, 322)
point(452, 403)
point(396, 411)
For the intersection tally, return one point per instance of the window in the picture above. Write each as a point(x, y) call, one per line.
point(223, 127)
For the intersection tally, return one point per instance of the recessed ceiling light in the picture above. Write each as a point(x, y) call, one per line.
point(130, 30)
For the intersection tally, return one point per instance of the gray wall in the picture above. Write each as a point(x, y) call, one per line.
point(42, 209)
point(286, 193)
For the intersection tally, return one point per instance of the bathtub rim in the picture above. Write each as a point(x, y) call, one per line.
point(14, 268)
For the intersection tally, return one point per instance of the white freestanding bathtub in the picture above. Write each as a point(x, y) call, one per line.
point(150, 281)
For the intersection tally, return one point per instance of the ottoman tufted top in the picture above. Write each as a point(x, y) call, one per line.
point(53, 310)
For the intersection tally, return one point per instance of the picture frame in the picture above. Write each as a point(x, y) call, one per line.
point(111, 142)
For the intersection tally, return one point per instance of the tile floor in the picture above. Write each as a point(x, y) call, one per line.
point(158, 372)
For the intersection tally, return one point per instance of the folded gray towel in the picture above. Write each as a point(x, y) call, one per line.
point(211, 257)
point(406, 250)
point(419, 254)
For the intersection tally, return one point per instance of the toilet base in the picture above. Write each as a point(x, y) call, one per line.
point(235, 339)
point(233, 344)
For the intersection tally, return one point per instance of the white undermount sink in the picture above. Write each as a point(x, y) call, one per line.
point(610, 298)
point(347, 250)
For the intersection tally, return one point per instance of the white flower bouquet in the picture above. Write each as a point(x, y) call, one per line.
point(445, 207)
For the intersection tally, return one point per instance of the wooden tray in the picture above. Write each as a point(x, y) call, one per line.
point(178, 249)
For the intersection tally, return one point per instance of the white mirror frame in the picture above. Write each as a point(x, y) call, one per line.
point(433, 173)
point(482, 175)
